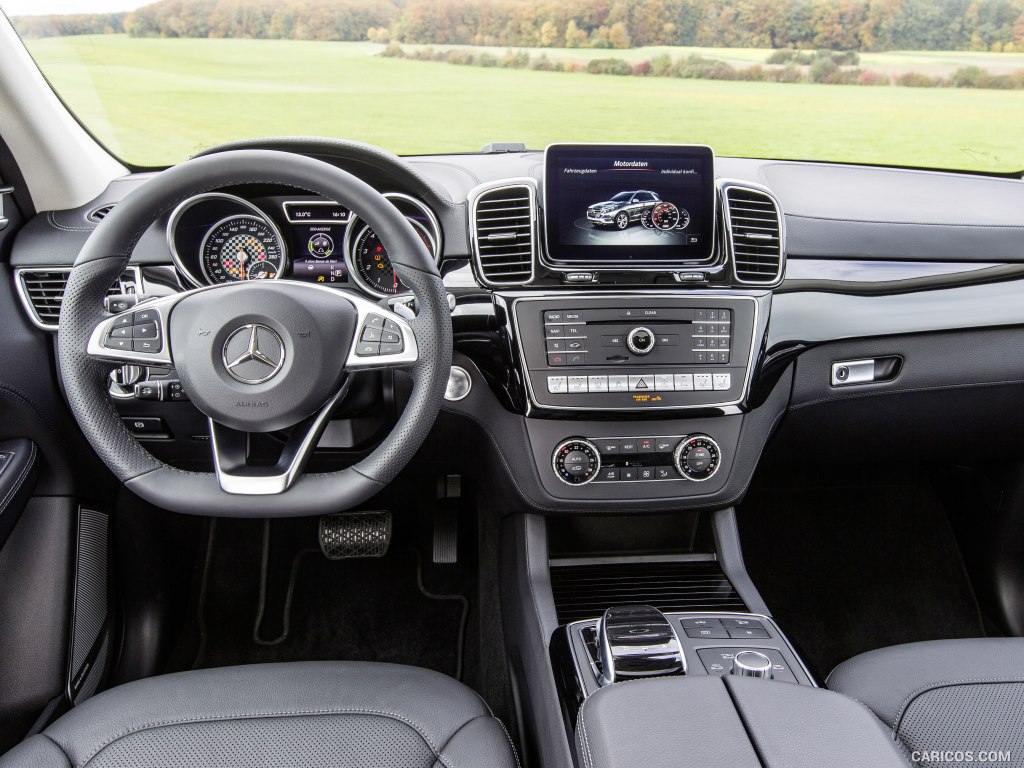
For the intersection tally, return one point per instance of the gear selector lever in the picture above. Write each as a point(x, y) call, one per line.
point(637, 641)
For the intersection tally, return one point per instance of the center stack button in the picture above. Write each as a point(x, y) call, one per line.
point(640, 341)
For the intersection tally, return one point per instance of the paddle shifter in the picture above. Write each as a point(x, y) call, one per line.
point(637, 641)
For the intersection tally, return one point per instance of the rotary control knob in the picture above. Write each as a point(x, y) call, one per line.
point(751, 664)
point(640, 341)
point(576, 461)
point(697, 458)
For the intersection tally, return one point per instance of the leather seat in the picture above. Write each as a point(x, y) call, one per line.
point(277, 715)
point(944, 697)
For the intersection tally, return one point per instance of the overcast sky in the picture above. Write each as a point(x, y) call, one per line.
point(42, 7)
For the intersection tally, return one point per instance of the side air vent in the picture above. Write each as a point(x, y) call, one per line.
point(99, 214)
point(585, 591)
point(504, 232)
point(42, 291)
point(756, 235)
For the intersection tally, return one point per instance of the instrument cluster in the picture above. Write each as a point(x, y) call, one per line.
point(218, 237)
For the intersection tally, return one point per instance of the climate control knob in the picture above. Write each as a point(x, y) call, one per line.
point(697, 458)
point(576, 461)
point(640, 341)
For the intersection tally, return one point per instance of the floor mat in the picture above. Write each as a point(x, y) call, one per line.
point(850, 568)
point(266, 595)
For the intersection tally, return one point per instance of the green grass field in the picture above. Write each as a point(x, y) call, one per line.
point(155, 101)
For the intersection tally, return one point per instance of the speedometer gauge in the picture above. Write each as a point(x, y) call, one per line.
point(373, 266)
point(242, 248)
point(665, 216)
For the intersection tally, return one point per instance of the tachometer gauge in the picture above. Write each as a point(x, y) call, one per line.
point(371, 264)
point(241, 248)
point(665, 216)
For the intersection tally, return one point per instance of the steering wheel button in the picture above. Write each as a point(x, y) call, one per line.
point(120, 332)
point(144, 316)
point(368, 348)
point(146, 345)
point(391, 337)
point(121, 345)
point(390, 348)
point(391, 326)
point(123, 321)
point(375, 321)
point(147, 331)
point(371, 334)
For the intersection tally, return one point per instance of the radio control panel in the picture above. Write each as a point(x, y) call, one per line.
point(637, 352)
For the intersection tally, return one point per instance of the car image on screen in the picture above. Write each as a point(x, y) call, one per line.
point(623, 209)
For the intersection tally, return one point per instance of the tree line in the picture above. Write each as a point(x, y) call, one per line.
point(855, 25)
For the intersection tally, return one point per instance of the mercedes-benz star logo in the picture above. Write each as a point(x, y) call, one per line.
point(253, 354)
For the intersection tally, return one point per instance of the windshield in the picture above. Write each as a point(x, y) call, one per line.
point(622, 197)
point(907, 82)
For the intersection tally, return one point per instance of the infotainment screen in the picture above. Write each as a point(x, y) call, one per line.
point(629, 205)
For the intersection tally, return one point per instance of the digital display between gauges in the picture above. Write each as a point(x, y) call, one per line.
point(318, 255)
point(373, 265)
point(242, 247)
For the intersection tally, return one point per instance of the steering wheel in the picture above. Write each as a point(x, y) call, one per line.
point(254, 357)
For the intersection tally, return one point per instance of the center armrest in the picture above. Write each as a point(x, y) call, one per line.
point(730, 722)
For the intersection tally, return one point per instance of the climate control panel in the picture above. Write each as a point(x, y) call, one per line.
point(582, 460)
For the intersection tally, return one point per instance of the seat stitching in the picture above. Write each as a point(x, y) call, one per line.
point(581, 720)
point(58, 746)
point(264, 715)
point(21, 479)
point(515, 752)
point(943, 684)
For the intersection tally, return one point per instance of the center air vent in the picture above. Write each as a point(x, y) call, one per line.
point(504, 233)
point(42, 291)
point(756, 236)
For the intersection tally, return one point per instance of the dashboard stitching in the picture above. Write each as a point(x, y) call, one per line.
point(52, 220)
point(904, 390)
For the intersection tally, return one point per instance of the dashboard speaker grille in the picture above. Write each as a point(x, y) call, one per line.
point(755, 232)
point(585, 591)
point(42, 291)
point(504, 234)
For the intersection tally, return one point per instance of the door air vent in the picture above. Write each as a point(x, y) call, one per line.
point(756, 235)
point(503, 228)
point(42, 291)
point(96, 215)
point(585, 591)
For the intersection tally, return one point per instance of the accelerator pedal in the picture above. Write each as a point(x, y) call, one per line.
point(349, 535)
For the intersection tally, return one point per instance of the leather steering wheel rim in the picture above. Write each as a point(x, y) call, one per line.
point(107, 253)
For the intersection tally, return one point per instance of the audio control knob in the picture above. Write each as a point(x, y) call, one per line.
point(640, 341)
point(751, 664)
point(697, 458)
point(576, 461)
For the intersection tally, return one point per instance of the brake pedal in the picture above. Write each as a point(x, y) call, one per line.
point(349, 535)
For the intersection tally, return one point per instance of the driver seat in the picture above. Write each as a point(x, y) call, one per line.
point(295, 715)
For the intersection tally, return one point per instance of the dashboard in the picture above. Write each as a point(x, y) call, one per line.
point(632, 323)
point(221, 237)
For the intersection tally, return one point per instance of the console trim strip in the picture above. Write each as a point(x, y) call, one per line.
point(748, 369)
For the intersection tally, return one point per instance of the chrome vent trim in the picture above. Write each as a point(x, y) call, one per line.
point(96, 215)
point(42, 290)
point(756, 231)
point(503, 231)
